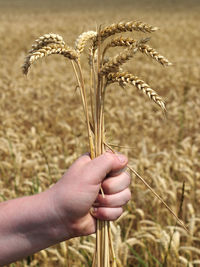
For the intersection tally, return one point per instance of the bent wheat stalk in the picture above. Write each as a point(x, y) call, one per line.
point(102, 74)
point(151, 189)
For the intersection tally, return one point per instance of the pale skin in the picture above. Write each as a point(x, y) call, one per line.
point(66, 210)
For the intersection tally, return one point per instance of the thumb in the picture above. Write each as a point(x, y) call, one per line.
point(104, 164)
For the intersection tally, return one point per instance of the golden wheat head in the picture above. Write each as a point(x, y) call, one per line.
point(83, 39)
point(124, 27)
point(149, 51)
point(143, 47)
point(124, 78)
point(51, 49)
point(46, 39)
point(124, 42)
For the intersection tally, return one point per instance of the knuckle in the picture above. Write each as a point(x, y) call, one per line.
point(109, 157)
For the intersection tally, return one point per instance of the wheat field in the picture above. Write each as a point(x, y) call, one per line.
point(42, 128)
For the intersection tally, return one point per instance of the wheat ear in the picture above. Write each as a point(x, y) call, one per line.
point(119, 41)
point(124, 27)
point(149, 51)
point(83, 39)
point(51, 49)
point(124, 78)
point(125, 42)
point(143, 47)
point(114, 63)
point(46, 39)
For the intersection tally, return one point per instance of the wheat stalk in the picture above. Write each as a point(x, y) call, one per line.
point(124, 78)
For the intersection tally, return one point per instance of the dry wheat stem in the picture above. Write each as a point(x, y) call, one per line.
point(46, 39)
point(51, 49)
point(113, 257)
point(163, 202)
point(102, 240)
point(124, 78)
point(85, 106)
point(152, 190)
point(92, 85)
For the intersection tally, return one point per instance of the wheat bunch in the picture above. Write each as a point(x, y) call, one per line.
point(102, 73)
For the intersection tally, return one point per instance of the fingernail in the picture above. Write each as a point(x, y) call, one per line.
point(121, 158)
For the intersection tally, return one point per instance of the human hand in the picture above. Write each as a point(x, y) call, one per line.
point(32, 223)
point(78, 190)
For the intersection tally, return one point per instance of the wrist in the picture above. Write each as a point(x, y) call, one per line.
point(67, 222)
point(58, 227)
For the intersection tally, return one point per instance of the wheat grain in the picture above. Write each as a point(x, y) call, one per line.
point(83, 39)
point(65, 51)
point(124, 78)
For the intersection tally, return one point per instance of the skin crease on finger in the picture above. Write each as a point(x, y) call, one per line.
point(114, 200)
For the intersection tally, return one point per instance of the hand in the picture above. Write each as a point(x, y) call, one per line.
point(78, 190)
point(32, 223)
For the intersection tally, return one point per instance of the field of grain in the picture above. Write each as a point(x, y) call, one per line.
point(42, 129)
